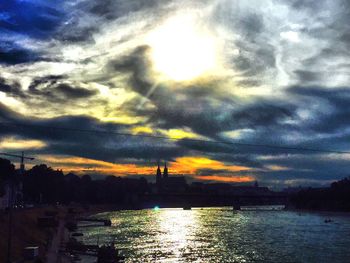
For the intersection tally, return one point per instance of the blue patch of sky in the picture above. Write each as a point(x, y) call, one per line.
point(34, 19)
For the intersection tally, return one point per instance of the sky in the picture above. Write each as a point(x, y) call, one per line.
point(268, 72)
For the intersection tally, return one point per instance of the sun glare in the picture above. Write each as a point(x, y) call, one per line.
point(182, 50)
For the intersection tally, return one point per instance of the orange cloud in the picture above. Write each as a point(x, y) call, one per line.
point(191, 165)
point(226, 179)
point(184, 165)
point(80, 165)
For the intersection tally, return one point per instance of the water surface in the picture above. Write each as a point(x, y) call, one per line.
point(223, 235)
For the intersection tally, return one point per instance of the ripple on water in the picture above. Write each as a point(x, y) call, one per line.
point(223, 235)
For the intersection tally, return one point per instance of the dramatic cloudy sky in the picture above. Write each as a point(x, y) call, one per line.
point(272, 72)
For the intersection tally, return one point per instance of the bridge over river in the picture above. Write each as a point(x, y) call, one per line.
point(211, 200)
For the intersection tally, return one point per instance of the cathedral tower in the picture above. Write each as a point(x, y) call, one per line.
point(165, 173)
point(158, 176)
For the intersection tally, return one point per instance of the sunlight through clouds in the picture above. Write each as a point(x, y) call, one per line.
point(272, 72)
point(181, 50)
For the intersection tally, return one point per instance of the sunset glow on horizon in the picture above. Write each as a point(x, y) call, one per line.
point(190, 167)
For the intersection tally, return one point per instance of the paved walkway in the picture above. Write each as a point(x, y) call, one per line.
point(53, 255)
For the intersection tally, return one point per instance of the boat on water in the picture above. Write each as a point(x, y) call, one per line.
point(109, 254)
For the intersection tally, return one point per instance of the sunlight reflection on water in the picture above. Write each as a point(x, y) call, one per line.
point(223, 235)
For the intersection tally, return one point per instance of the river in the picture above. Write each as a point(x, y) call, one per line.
point(222, 235)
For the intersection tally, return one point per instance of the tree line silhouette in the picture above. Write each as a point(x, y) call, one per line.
point(43, 184)
point(333, 198)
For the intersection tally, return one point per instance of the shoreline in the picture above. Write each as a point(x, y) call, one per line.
point(27, 233)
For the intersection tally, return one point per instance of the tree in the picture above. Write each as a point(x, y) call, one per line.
point(42, 183)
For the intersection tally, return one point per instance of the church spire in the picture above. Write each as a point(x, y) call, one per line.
point(165, 172)
point(158, 175)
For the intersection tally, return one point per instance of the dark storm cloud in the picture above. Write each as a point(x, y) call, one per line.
point(252, 62)
point(322, 168)
point(5, 87)
point(307, 76)
point(50, 79)
point(207, 123)
point(268, 113)
point(104, 146)
point(209, 120)
point(251, 25)
point(86, 17)
point(113, 9)
point(243, 63)
point(13, 89)
point(239, 158)
point(12, 54)
point(74, 92)
point(312, 5)
point(74, 33)
point(332, 31)
point(255, 55)
point(138, 65)
point(53, 88)
point(337, 100)
point(64, 136)
point(222, 172)
point(340, 28)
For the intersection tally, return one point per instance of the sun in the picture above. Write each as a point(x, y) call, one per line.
point(181, 50)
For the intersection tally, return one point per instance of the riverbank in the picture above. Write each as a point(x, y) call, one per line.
point(26, 231)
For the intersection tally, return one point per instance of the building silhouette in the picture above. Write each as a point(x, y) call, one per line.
point(166, 183)
point(158, 177)
point(165, 173)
